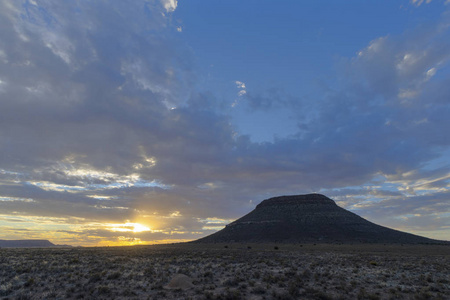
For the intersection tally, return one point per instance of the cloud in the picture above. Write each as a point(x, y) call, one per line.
point(242, 91)
point(100, 123)
point(74, 84)
point(420, 2)
point(170, 5)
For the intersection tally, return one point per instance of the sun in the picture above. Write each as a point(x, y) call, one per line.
point(140, 228)
point(129, 227)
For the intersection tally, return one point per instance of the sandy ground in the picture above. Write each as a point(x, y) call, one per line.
point(233, 271)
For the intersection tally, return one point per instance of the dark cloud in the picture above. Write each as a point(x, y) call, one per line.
point(85, 88)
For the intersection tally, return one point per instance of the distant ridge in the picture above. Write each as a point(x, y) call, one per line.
point(26, 244)
point(311, 218)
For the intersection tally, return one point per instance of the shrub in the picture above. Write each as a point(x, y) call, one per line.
point(104, 290)
point(29, 282)
point(96, 277)
point(259, 290)
point(113, 276)
point(293, 289)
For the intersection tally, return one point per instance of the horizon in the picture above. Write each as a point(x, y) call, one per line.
point(161, 121)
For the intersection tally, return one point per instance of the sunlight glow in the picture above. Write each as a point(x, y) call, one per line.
point(129, 227)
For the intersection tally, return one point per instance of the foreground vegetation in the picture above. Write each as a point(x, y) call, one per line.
point(234, 271)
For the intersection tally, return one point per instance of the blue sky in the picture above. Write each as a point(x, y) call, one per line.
point(291, 47)
point(127, 122)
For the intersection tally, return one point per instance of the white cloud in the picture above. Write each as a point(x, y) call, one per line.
point(240, 84)
point(405, 94)
point(11, 199)
point(420, 2)
point(170, 5)
point(242, 91)
point(430, 73)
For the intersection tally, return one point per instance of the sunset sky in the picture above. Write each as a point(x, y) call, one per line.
point(151, 121)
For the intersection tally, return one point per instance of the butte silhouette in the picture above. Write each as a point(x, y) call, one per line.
point(311, 218)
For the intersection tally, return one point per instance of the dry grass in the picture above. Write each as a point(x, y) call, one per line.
point(233, 271)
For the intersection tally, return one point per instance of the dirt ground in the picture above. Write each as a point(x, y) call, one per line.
point(227, 271)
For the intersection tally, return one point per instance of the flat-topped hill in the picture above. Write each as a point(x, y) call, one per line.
point(311, 218)
point(26, 244)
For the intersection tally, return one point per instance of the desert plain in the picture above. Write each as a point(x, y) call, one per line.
point(227, 271)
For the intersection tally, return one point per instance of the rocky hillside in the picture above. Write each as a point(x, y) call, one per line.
point(311, 218)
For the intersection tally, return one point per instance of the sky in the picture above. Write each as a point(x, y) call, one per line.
point(128, 122)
